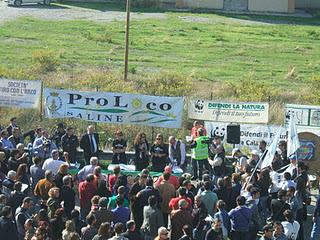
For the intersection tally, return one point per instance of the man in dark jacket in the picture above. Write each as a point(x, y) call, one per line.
point(89, 142)
point(278, 206)
point(69, 143)
point(132, 233)
point(8, 229)
point(179, 218)
point(68, 195)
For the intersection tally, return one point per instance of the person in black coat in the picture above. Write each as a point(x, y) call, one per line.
point(8, 228)
point(69, 143)
point(68, 195)
point(132, 233)
point(89, 142)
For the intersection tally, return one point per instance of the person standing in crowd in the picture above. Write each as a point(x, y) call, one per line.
point(223, 216)
point(278, 206)
point(58, 134)
point(152, 219)
point(240, 218)
point(88, 169)
point(199, 212)
point(200, 154)
point(132, 233)
point(141, 155)
point(44, 185)
point(118, 229)
point(179, 218)
point(87, 190)
point(217, 153)
point(209, 199)
point(159, 154)
point(256, 221)
point(177, 153)
point(5, 143)
point(42, 145)
point(89, 142)
point(69, 230)
point(194, 130)
point(8, 183)
point(174, 202)
point(121, 193)
point(36, 172)
point(120, 214)
point(13, 163)
point(3, 166)
point(8, 228)
point(315, 232)
point(119, 146)
point(187, 233)
point(135, 205)
point(13, 124)
point(283, 152)
point(112, 179)
point(88, 232)
point(68, 195)
point(267, 232)
point(290, 226)
point(16, 137)
point(54, 201)
point(278, 233)
point(104, 232)
point(103, 214)
point(172, 179)
point(215, 232)
point(53, 164)
point(69, 144)
point(22, 215)
point(240, 160)
point(163, 234)
point(167, 191)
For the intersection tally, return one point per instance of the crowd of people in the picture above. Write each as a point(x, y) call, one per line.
point(40, 199)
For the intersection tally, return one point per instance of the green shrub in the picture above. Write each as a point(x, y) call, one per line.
point(45, 61)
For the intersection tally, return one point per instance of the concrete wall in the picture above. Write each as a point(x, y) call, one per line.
point(204, 4)
point(270, 5)
point(235, 5)
point(308, 4)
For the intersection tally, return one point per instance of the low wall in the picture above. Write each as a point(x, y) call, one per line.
point(200, 4)
point(282, 6)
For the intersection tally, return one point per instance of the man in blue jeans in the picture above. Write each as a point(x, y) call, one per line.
point(315, 233)
point(240, 218)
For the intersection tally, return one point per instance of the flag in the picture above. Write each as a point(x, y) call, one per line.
point(293, 139)
point(271, 151)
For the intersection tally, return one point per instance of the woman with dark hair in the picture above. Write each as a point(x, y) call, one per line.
point(159, 154)
point(141, 147)
point(22, 174)
point(75, 217)
point(104, 232)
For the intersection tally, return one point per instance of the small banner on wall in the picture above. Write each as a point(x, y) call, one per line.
point(20, 94)
point(116, 108)
point(228, 112)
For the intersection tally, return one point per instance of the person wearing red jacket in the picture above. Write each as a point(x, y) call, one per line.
point(87, 189)
point(173, 204)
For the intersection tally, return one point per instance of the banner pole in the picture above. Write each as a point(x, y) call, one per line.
point(41, 102)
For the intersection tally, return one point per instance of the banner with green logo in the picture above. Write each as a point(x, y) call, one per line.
point(116, 108)
point(228, 112)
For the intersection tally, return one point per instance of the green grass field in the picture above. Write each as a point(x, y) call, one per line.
point(209, 46)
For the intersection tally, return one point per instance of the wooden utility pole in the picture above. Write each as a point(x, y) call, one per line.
point(126, 54)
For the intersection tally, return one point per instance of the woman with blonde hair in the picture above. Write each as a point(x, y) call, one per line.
point(53, 202)
point(69, 230)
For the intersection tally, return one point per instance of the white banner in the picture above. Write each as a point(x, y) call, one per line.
point(20, 94)
point(251, 134)
point(305, 115)
point(228, 112)
point(117, 108)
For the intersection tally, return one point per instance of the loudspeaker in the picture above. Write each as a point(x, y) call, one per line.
point(233, 134)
